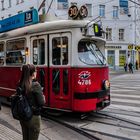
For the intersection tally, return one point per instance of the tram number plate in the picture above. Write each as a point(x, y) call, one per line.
point(84, 82)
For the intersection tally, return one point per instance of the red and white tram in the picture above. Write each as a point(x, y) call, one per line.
point(70, 64)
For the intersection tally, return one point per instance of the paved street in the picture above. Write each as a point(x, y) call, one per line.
point(125, 98)
point(125, 94)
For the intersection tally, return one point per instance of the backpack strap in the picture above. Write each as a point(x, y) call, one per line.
point(20, 90)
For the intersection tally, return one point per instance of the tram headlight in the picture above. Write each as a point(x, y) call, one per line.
point(106, 84)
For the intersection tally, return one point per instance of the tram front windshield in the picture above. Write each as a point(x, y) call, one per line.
point(90, 54)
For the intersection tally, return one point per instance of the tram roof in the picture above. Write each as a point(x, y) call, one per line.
point(43, 27)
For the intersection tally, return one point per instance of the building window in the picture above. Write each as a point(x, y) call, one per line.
point(89, 7)
point(115, 11)
point(111, 58)
point(73, 3)
point(121, 34)
point(17, 1)
point(108, 33)
point(62, 4)
point(2, 5)
point(102, 10)
point(122, 58)
point(10, 3)
point(20, 1)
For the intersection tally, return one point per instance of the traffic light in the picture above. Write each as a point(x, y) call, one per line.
point(97, 29)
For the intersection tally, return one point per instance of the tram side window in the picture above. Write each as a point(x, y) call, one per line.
point(15, 52)
point(1, 54)
point(60, 51)
point(39, 52)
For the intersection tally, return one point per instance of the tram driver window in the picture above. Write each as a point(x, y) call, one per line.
point(15, 52)
point(2, 54)
point(60, 51)
point(89, 53)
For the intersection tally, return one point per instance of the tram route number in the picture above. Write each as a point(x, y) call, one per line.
point(84, 82)
point(73, 11)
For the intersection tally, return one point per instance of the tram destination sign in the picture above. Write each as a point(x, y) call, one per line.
point(19, 20)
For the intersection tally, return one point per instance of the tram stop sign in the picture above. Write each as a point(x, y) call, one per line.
point(137, 48)
point(130, 47)
point(76, 13)
point(83, 12)
point(73, 12)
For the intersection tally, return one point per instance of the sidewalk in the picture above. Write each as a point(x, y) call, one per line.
point(117, 72)
point(10, 129)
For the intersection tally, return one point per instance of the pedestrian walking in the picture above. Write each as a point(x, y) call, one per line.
point(136, 65)
point(125, 67)
point(130, 67)
point(33, 92)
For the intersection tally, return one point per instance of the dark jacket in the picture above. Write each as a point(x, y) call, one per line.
point(0, 105)
point(36, 98)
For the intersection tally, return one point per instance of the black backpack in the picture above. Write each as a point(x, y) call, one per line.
point(20, 107)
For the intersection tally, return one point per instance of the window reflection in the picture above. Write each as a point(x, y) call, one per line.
point(1, 54)
point(60, 51)
point(39, 52)
point(90, 54)
point(15, 52)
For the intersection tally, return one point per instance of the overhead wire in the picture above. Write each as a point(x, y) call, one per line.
point(134, 2)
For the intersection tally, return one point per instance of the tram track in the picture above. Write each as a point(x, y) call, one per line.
point(100, 126)
point(77, 129)
point(120, 118)
point(107, 120)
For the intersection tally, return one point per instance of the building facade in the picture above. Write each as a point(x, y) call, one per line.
point(120, 20)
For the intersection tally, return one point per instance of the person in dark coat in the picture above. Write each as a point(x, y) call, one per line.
point(33, 92)
point(137, 65)
point(125, 67)
point(130, 67)
point(0, 104)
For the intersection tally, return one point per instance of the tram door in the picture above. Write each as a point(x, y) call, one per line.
point(60, 45)
point(39, 58)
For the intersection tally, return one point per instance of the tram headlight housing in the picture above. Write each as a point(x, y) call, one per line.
point(106, 84)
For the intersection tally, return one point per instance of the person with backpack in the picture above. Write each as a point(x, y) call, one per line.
point(33, 91)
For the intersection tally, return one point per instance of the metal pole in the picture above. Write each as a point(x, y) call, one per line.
point(135, 40)
point(135, 31)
